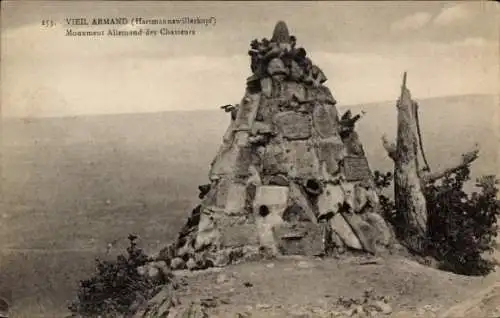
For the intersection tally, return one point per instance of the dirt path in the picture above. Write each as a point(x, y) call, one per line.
point(301, 287)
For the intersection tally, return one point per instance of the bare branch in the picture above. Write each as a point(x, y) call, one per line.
point(465, 160)
point(390, 147)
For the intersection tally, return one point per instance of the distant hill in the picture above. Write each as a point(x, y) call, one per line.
point(127, 157)
point(154, 161)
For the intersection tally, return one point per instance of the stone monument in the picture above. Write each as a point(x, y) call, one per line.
point(291, 175)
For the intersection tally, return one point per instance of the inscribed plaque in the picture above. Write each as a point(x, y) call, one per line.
point(356, 168)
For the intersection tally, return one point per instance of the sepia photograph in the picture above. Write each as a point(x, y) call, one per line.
point(302, 159)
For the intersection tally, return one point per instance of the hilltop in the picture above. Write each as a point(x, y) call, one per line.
point(73, 185)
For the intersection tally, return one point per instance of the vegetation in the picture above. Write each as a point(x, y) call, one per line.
point(461, 226)
point(116, 285)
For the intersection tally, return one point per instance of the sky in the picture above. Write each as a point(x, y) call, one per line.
point(447, 48)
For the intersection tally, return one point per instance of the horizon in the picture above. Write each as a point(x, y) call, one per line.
point(339, 106)
point(448, 48)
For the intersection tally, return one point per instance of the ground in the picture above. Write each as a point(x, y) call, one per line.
point(305, 287)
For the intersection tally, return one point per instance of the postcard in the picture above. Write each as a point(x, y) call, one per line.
point(249, 159)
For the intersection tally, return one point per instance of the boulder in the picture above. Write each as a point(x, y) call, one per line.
point(343, 230)
point(299, 205)
point(301, 238)
point(330, 201)
point(384, 235)
point(208, 234)
point(365, 232)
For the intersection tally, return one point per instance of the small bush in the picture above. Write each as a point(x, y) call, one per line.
point(115, 286)
point(387, 206)
point(461, 227)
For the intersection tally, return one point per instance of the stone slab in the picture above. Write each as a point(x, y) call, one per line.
point(233, 159)
point(301, 159)
point(243, 162)
point(344, 231)
point(356, 168)
point(271, 196)
point(274, 160)
point(321, 94)
point(297, 197)
point(365, 233)
point(208, 233)
point(228, 137)
point(222, 190)
point(300, 239)
point(293, 125)
point(267, 109)
point(236, 199)
point(239, 235)
point(330, 151)
point(384, 233)
point(330, 200)
point(324, 120)
point(247, 111)
point(261, 127)
point(224, 161)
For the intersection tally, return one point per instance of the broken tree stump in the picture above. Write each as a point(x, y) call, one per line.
point(409, 179)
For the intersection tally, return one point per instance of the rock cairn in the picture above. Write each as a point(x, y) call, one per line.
point(291, 175)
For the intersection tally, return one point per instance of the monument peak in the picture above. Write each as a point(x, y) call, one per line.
point(281, 33)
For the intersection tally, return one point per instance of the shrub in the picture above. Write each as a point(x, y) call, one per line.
point(387, 206)
point(115, 286)
point(461, 227)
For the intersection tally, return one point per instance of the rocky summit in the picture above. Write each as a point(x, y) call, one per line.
point(291, 176)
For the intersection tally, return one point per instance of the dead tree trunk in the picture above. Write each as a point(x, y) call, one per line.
point(408, 195)
point(409, 178)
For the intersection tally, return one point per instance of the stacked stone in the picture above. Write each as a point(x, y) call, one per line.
point(291, 175)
